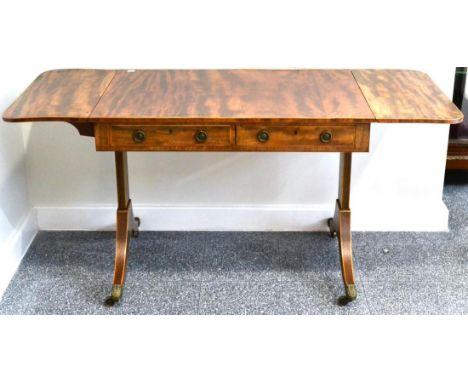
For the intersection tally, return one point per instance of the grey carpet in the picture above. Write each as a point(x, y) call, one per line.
point(247, 272)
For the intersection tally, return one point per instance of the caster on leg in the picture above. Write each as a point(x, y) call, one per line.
point(351, 295)
point(332, 229)
point(136, 231)
point(115, 295)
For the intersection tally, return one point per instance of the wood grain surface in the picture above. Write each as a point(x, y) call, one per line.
point(230, 96)
point(60, 95)
point(164, 138)
point(227, 95)
point(303, 138)
point(405, 96)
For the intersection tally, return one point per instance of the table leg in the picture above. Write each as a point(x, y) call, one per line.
point(340, 226)
point(126, 227)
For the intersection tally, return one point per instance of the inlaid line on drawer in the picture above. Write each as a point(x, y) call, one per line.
point(172, 135)
point(164, 137)
point(259, 136)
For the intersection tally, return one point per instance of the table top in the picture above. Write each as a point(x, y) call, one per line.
point(224, 96)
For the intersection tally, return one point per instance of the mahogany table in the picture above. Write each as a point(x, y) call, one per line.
point(232, 110)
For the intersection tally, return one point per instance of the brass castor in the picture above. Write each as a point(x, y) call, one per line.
point(109, 301)
point(351, 295)
point(115, 295)
point(136, 232)
point(332, 233)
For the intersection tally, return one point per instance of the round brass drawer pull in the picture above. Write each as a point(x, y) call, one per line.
point(201, 136)
point(326, 137)
point(263, 136)
point(139, 136)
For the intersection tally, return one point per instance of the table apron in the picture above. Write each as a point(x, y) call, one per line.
point(233, 137)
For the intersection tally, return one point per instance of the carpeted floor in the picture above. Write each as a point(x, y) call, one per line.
point(248, 272)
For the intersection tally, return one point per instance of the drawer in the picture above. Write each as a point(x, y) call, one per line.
point(164, 138)
point(337, 138)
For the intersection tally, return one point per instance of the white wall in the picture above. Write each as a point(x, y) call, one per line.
point(17, 220)
point(397, 186)
point(72, 187)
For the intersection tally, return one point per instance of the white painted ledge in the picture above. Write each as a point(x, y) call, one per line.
point(190, 218)
point(388, 216)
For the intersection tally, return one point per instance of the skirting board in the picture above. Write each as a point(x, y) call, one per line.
point(15, 247)
point(394, 217)
point(190, 218)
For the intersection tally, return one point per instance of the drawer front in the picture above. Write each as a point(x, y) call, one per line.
point(303, 138)
point(164, 138)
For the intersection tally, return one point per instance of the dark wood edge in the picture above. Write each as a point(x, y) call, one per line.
point(85, 129)
point(149, 121)
point(420, 120)
point(459, 164)
point(305, 149)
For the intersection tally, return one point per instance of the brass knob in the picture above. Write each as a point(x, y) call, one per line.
point(263, 136)
point(326, 137)
point(139, 136)
point(201, 136)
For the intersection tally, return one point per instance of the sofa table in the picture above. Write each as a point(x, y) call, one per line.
point(232, 110)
